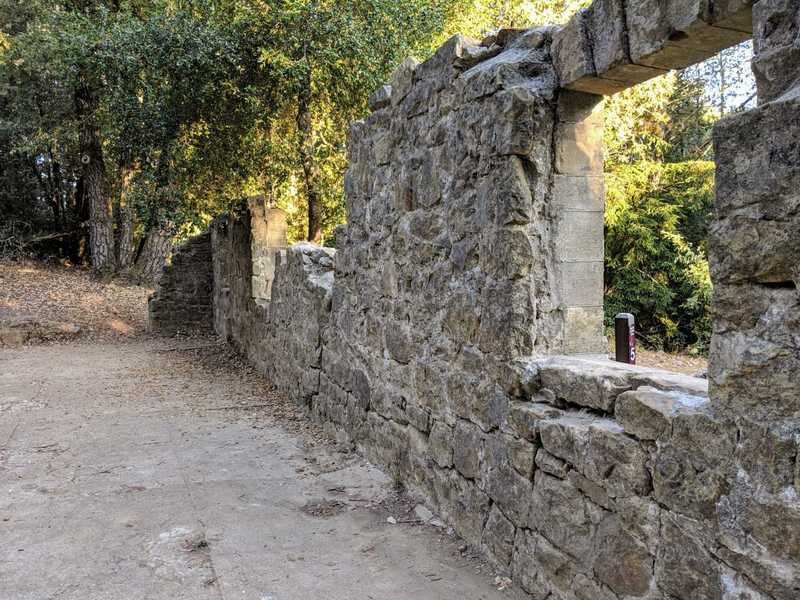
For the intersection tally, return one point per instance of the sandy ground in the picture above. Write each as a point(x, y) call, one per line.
point(146, 470)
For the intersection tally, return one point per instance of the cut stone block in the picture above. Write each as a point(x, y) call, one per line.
point(579, 236)
point(605, 21)
point(674, 34)
point(579, 149)
point(593, 386)
point(582, 283)
point(578, 193)
point(584, 332)
point(646, 413)
point(733, 14)
point(572, 51)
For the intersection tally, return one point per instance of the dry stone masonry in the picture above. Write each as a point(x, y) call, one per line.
point(456, 334)
point(183, 301)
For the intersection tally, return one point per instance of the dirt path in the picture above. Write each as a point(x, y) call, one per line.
point(138, 471)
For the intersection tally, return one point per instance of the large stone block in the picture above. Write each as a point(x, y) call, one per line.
point(579, 236)
point(565, 517)
point(647, 413)
point(572, 57)
point(579, 149)
point(692, 469)
point(581, 283)
point(498, 537)
point(622, 563)
point(583, 383)
point(685, 568)
point(674, 34)
point(776, 38)
point(584, 330)
point(607, 31)
point(579, 193)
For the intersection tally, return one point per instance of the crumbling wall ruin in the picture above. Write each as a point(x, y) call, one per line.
point(183, 300)
point(472, 263)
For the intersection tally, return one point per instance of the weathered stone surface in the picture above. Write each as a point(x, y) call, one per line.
point(183, 300)
point(521, 455)
point(685, 569)
point(622, 563)
point(498, 537)
point(403, 80)
point(676, 33)
point(441, 441)
point(467, 449)
point(572, 57)
point(523, 417)
point(591, 386)
point(551, 464)
point(268, 229)
point(752, 252)
point(565, 517)
point(607, 30)
point(381, 98)
point(647, 413)
point(463, 504)
point(502, 483)
point(691, 468)
point(599, 450)
point(776, 64)
point(430, 339)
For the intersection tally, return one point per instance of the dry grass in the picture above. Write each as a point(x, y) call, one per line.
point(657, 359)
point(679, 363)
point(104, 310)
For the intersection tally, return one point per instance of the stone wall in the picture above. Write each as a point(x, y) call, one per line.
point(281, 336)
point(268, 238)
point(434, 337)
point(183, 300)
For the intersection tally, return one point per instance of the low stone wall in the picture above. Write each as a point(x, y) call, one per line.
point(182, 302)
point(282, 336)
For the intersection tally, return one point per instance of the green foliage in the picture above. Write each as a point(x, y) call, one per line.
point(199, 103)
point(657, 218)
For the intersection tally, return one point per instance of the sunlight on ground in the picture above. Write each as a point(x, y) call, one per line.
point(73, 297)
point(119, 326)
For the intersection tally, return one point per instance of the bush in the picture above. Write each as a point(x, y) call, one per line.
point(656, 264)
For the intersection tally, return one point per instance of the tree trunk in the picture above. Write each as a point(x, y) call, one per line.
point(124, 220)
point(153, 252)
point(101, 231)
point(305, 147)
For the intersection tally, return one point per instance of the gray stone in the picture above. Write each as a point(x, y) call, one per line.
point(441, 444)
point(551, 464)
point(523, 417)
point(433, 338)
point(647, 413)
point(498, 537)
point(381, 98)
point(776, 64)
point(685, 569)
point(403, 80)
point(467, 449)
point(622, 563)
point(593, 386)
point(565, 517)
point(607, 32)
